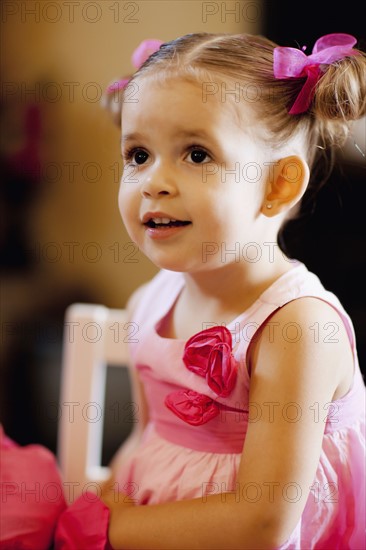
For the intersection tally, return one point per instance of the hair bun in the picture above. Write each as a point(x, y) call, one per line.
point(340, 97)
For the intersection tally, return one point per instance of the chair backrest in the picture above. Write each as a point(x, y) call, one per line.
point(94, 337)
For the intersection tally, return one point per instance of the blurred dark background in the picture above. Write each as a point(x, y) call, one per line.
point(330, 236)
point(61, 237)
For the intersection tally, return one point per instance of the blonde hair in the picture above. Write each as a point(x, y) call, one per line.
point(247, 60)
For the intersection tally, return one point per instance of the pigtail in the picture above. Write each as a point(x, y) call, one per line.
point(112, 98)
point(340, 98)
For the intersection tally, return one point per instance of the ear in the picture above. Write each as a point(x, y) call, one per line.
point(286, 184)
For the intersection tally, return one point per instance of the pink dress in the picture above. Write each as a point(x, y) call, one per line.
point(198, 411)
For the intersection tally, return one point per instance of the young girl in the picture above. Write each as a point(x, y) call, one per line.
point(251, 398)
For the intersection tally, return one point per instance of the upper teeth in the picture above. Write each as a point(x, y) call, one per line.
point(162, 220)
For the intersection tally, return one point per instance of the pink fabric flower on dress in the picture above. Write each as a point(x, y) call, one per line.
point(208, 354)
point(294, 63)
point(192, 407)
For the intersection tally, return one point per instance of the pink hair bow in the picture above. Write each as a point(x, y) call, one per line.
point(139, 56)
point(294, 63)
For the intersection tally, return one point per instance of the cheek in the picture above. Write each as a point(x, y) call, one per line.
point(126, 204)
point(121, 199)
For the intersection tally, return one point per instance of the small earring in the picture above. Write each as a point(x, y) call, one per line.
point(268, 205)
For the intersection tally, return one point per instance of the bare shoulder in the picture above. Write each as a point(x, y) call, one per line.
point(315, 333)
point(309, 308)
point(314, 323)
point(296, 370)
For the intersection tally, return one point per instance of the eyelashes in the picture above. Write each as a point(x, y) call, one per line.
point(198, 149)
point(129, 154)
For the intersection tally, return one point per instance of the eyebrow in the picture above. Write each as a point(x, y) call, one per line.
point(179, 133)
point(131, 137)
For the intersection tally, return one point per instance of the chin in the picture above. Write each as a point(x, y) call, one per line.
point(169, 262)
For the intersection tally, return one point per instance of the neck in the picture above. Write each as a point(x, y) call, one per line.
point(235, 284)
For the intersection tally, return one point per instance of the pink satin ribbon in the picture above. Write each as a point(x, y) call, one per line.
point(294, 63)
point(139, 56)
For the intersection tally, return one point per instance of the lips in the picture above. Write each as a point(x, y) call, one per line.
point(161, 226)
point(162, 220)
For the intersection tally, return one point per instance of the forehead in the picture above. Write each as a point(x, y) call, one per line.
point(180, 103)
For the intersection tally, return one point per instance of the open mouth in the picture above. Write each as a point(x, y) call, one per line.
point(165, 222)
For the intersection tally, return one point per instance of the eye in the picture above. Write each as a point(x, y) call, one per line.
point(198, 154)
point(137, 156)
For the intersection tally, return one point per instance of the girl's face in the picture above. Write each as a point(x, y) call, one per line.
point(186, 159)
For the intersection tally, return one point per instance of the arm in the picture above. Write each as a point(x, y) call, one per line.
point(138, 397)
point(280, 456)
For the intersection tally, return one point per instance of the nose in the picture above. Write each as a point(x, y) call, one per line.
point(160, 181)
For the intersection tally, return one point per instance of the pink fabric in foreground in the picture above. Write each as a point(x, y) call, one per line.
point(84, 525)
point(32, 498)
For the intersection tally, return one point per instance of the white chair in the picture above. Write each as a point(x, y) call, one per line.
point(94, 337)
